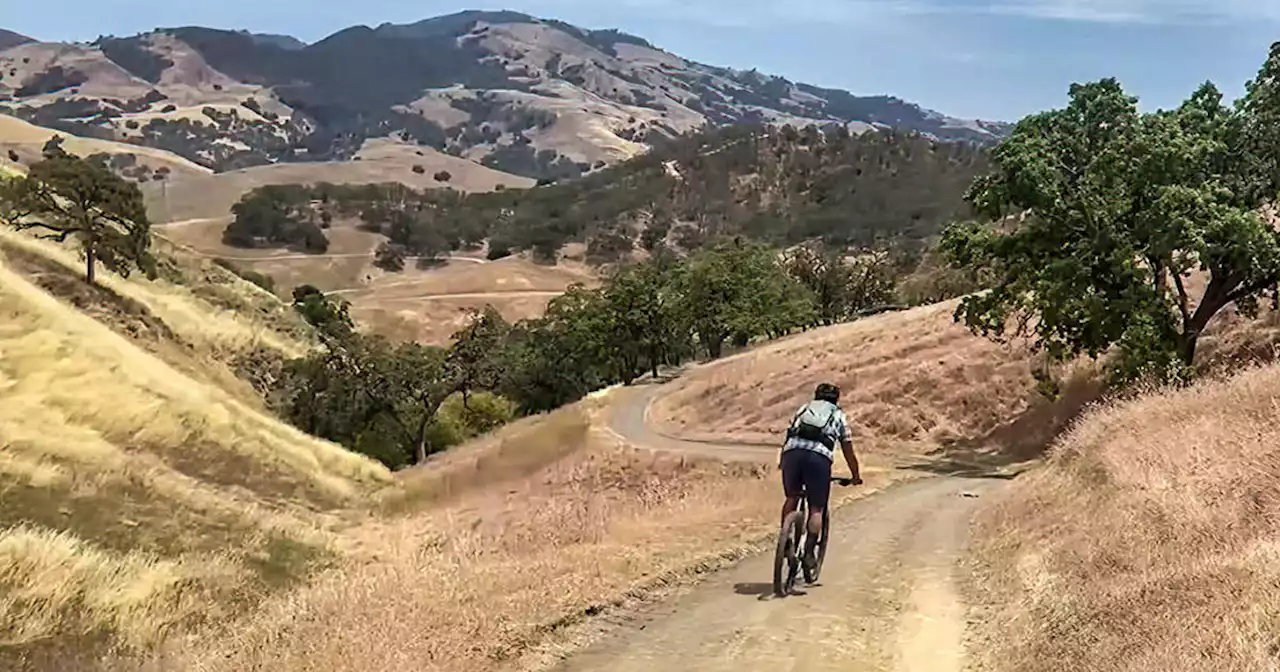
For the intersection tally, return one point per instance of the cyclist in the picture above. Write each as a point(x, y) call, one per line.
point(807, 456)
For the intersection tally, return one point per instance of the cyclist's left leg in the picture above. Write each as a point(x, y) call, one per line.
point(792, 482)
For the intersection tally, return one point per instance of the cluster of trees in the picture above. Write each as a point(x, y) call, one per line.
point(1103, 216)
point(278, 216)
point(254, 143)
point(67, 198)
point(397, 402)
point(778, 186)
point(401, 402)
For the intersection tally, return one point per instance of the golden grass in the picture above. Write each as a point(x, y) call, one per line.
point(430, 306)
point(1148, 541)
point(137, 498)
point(195, 320)
point(410, 305)
point(912, 380)
point(67, 364)
point(54, 581)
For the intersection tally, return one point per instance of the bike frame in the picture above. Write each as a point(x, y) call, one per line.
point(789, 554)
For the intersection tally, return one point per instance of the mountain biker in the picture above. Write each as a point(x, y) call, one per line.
point(807, 457)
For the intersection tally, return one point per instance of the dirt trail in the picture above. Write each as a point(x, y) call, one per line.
point(888, 601)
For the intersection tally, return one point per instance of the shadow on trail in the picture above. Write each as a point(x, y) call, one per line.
point(762, 590)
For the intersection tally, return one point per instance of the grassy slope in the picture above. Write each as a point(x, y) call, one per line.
point(1148, 542)
point(912, 382)
point(138, 495)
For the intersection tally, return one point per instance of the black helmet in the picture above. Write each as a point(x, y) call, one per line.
point(827, 392)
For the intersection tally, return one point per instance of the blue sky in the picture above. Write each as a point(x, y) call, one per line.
point(990, 59)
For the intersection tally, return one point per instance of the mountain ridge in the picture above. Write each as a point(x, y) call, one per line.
point(540, 98)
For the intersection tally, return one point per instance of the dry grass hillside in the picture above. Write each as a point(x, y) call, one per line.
point(203, 196)
point(1148, 541)
point(912, 381)
point(499, 550)
point(144, 488)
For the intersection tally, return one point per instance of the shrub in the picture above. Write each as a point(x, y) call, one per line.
point(498, 250)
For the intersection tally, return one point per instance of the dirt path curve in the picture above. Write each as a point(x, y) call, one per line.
point(888, 600)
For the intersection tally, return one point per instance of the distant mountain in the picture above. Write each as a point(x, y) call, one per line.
point(282, 41)
point(538, 98)
point(8, 39)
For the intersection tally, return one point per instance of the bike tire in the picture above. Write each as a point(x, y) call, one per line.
point(785, 556)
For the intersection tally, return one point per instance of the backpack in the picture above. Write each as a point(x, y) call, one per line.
point(810, 424)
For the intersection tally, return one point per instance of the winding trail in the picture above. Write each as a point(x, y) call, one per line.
point(889, 599)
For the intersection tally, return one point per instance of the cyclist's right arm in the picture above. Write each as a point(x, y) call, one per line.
point(846, 446)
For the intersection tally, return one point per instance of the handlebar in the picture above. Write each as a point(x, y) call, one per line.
point(846, 482)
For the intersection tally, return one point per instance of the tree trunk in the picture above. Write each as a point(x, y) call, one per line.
point(1187, 348)
point(89, 265)
point(714, 345)
point(1216, 297)
point(420, 450)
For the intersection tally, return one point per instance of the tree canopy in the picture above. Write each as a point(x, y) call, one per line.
point(65, 197)
point(1104, 220)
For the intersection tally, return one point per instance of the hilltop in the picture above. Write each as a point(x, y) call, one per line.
point(534, 97)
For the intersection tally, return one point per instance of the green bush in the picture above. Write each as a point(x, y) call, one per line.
point(483, 412)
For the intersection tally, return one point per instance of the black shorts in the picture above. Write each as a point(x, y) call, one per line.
point(808, 473)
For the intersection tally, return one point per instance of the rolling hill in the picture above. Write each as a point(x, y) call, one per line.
point(534, 97)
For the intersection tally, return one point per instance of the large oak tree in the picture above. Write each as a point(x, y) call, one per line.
point(69, 198)
point(1099, 216)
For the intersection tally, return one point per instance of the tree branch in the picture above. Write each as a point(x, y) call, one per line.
point(1250, 289)
point(61, 233)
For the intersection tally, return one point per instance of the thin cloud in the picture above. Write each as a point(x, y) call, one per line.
point(1137, 11)
point(754, 13)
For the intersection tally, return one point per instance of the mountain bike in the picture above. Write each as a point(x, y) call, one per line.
point(787, 563)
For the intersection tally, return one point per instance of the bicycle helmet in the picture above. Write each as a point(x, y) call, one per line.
point(827, 392)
